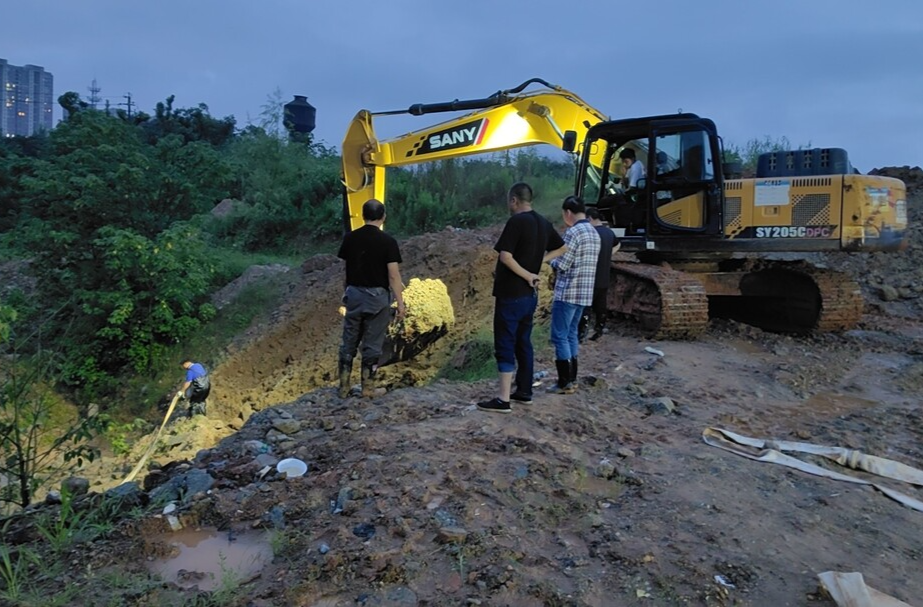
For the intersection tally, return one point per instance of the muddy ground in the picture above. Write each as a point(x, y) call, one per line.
point(603, 497)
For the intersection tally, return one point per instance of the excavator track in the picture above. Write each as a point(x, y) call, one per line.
point(841, 299)
point(815, 299)
point(668, 304)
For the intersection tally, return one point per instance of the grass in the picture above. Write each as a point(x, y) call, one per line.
point(478, 362)
point(120, 435)
point(70, 525)
point(549, 203)
point(28, 572)
point(231, 263)
point(229, 585)
point(14, 571)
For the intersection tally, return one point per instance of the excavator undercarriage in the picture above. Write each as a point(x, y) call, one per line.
point(675, 301)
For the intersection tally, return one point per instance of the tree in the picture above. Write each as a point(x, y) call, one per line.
point(7, 316)
point(32, 449)
point(72, 104)
point(749, 154)
point(291, 190)
point(272, 114)
point(192, 124)
point(35, 448)
point(101, 223)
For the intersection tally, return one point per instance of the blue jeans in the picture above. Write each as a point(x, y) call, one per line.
point(565, 319)
point(513, 338)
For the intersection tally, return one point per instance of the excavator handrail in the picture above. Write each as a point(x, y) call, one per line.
point(506, 119)
point(498, 98)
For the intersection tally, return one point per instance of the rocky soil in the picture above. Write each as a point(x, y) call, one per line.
point(605, 497)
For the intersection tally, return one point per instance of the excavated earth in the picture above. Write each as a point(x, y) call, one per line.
point(605, 497)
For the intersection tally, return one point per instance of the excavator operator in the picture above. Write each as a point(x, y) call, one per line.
point(634, 170)
point(622, 207)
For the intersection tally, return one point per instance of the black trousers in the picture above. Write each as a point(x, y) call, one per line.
point(599, 308)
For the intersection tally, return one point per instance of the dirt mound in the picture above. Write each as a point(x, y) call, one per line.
point(297, 350)
point(911, 176)
point(226, 207)
point(251, 275)
point(893, 282)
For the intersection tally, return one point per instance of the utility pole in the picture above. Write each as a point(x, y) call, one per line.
point(94, 89)
point(127, 103)
point(107, 107)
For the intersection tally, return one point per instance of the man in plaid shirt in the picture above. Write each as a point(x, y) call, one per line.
point(575, 273)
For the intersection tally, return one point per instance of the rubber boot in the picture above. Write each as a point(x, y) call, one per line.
point(573, 374)
point(598, 330)
point(368, 382)
point(198, 408)
point(564, 385)
point(345, 369)
point(583, 329)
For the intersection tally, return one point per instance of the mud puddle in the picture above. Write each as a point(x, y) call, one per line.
point(208, 558)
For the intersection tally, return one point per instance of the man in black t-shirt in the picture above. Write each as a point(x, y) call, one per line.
point(372, 266)
point(527, 241)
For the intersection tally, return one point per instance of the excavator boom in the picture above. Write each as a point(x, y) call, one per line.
point(508, 119)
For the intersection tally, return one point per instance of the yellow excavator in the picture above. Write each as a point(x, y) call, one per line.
point(706, 240)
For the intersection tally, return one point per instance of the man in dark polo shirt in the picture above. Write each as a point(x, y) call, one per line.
point(528, 240)
point(372, 276)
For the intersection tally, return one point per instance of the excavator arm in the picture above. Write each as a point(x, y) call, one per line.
point(507, 119)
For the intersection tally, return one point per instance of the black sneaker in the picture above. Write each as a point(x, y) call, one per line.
point(495, 405)
point(521, 397)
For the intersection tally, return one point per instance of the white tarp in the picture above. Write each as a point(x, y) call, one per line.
point(771, 451)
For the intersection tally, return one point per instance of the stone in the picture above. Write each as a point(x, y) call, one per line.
point(364, 531)
point(274, 436)
point(255, 447)
point(75, 485)
point(184, 486)
point(605, 469)
point(636, 389)
point(888, 293)
point(266, 459)
point(662, 406)
point(287, 426)
point(128, 495)
point(452, 535)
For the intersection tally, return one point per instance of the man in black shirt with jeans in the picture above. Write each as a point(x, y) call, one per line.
point(528, 240)
point(372, 259)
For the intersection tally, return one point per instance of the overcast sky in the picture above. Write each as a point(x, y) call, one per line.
point(829, 73)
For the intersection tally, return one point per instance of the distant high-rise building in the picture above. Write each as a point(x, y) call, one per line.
point(26, 99)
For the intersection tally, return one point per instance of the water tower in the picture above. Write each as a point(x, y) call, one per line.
point(299, 117)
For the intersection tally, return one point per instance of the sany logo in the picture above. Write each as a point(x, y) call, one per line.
point(463, 135)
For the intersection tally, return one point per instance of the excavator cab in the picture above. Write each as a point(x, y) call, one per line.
point(679, 198)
